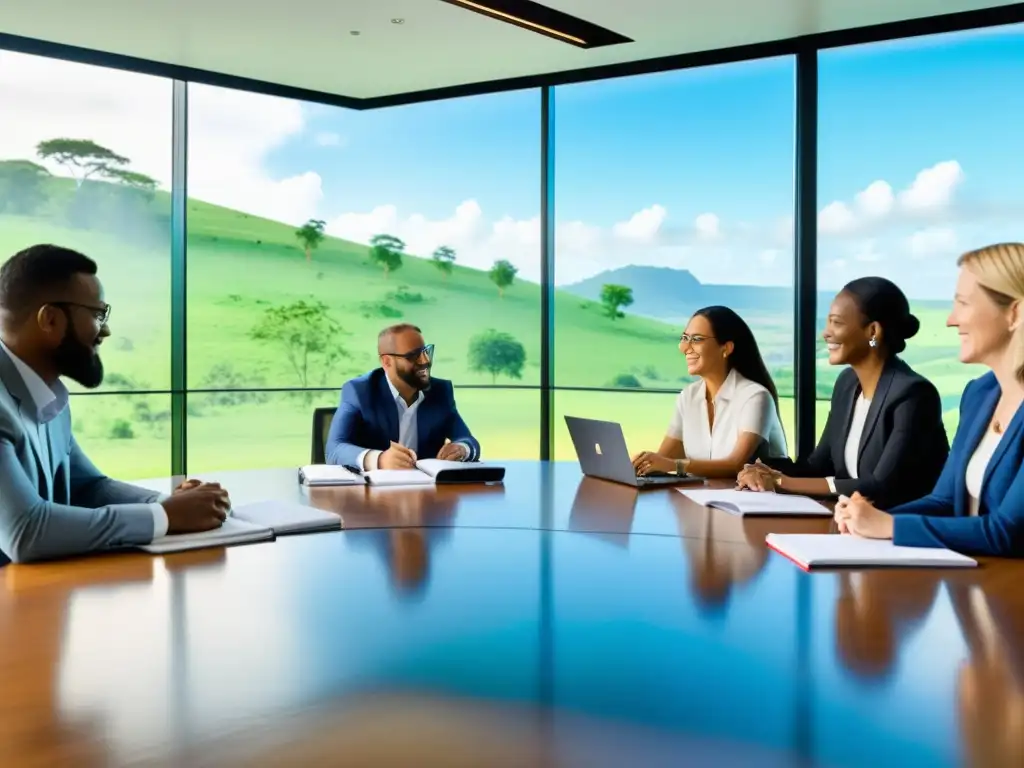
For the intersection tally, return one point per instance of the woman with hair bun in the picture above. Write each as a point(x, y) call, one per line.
point(977, 505)
point(884, 437)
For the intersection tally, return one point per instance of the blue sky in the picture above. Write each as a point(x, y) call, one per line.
point(920, 148)
point(715, 142)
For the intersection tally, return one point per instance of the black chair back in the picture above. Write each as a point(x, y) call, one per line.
point(322, 418)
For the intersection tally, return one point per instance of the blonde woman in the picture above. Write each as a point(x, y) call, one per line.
point(977, 506)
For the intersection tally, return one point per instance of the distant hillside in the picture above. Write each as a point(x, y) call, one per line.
point(670, 294)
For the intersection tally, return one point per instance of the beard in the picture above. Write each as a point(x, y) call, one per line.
point(415, 379)
point(79, 362)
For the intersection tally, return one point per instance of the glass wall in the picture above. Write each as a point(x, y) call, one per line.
point(311, 228)
point(673, 191)
point(919, 160)
point(85, 162)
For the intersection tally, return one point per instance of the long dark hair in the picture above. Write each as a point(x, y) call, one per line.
point(881, 301)
point(746, 356)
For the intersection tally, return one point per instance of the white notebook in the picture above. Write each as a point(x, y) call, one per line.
point(830, 550)
point(233, 531)
point(315, 475)
point(430, 471)
point(755, 503)
point(284, 517)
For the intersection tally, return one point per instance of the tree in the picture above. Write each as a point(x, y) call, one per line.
point(144, 185)
point(22, 186)
point(311, 234)
point(386, 251)
point(615, 296)
point(496, 352)
point(307, 334)
point(443, 259)
point(82, 158)
point(502, 274)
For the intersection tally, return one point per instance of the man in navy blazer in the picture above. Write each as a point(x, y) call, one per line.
point(396, 414)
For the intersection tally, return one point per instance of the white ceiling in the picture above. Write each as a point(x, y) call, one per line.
point(307, 43)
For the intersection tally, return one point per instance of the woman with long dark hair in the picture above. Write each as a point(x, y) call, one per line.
point(884, 436)
point(730, 415)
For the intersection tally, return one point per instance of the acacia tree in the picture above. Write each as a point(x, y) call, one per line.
point(311, 234)
point(615, 296)
point(496, 352)
point(443, 258)
point(309, 337)
point(502, 274)
point(386, 251)
point(83, 158)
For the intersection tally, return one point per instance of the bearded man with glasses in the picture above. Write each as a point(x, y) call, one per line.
point(54, 502)
point(396, 414)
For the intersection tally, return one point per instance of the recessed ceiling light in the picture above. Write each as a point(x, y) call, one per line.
point(398, 21)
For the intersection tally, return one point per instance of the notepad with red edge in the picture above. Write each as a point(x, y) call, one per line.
point(833, 550)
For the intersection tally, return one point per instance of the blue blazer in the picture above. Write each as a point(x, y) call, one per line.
point(367, 418)
point(941, 519)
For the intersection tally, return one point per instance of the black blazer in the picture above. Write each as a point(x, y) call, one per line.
point(902, 449)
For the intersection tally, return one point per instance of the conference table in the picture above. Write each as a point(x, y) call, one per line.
point(551, 620)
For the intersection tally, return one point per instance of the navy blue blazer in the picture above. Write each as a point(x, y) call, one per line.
point(367, 418)
point(941, 519)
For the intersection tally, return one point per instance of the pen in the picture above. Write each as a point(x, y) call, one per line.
point(352, 468)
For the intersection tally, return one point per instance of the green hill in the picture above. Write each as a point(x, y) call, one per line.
point(240, 267)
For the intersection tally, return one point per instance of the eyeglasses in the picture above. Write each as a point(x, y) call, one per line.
point(415, 355)
point(101, 313)
point(687, 338)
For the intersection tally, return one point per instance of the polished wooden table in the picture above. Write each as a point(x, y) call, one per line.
point(551, 621)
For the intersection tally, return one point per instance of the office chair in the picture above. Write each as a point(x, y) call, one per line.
point(322, 418)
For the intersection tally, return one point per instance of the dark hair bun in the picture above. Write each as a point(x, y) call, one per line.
point(910, 326)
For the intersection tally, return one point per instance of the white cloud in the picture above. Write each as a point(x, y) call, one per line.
point(934, 241)
point(836, 218)
point(44, 98)
point(769, 256)
point(933, 187)
point(866, 252)
point(707, 226)
point(876, 199)
point(931, 190)
point(328, 139)
point(230, 132)
point(642, 226)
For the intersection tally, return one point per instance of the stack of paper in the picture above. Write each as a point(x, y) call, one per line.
point(285, 517)
point(233, 531)
point(829, 550)
point(754, 503)
point(250, 523)
point(430, 471)
point(328, 474)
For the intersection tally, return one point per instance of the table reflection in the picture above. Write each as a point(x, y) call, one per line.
point(877, 612)
point(718, 561)
point(603, 510)
point(990, 689)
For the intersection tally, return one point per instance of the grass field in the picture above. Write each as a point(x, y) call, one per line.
point(240, 267)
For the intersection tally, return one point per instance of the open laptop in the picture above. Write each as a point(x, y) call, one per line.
point(601, 450)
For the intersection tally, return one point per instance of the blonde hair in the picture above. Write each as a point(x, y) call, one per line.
point(999, 270)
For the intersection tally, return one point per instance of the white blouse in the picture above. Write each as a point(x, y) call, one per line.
point(976, 467)
point(741, 405)
point(860, 417)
